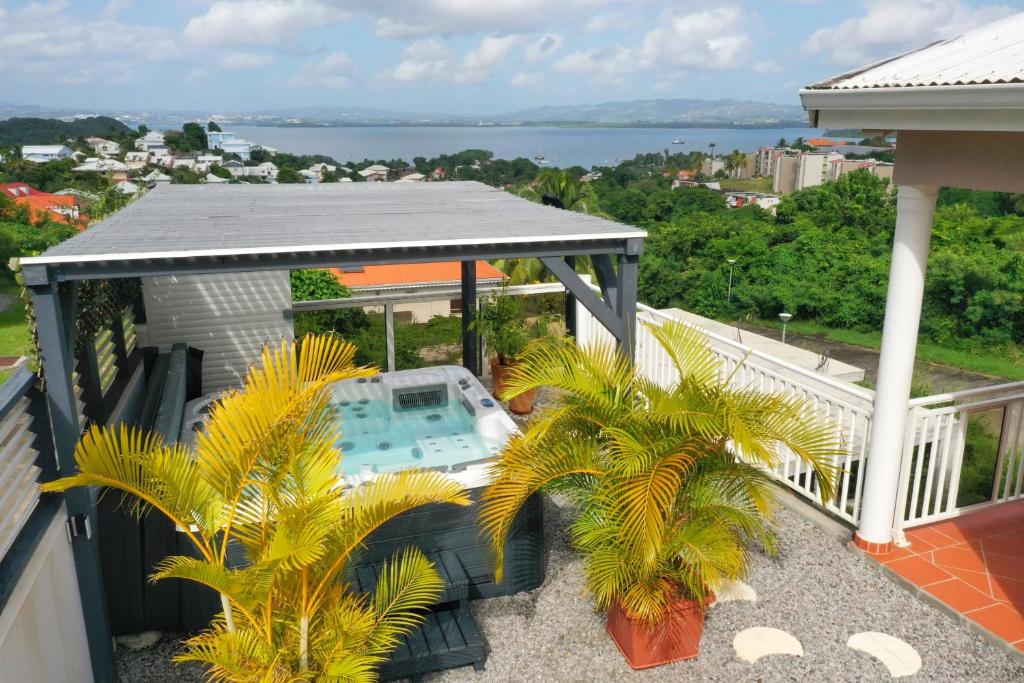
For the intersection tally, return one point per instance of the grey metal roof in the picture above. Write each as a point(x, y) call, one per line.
point(987, 55)
point(190, 221)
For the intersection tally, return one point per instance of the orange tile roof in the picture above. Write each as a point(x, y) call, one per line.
point(39, 202)
point(413, 274)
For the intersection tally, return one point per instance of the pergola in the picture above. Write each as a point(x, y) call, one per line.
point(958, 108)
point(193, 229)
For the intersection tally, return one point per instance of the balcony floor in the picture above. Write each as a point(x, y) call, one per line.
point(974, 564)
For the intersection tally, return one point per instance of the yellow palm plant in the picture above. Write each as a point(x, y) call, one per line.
point(670, 483)
point(264, 477)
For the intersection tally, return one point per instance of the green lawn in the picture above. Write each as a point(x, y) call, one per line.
point(14, 337)
point(748, 185)
point(998, 363)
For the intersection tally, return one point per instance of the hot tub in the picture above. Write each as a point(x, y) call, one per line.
point(438, 418)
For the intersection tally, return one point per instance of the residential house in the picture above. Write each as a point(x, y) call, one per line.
point(156, 177)
point(311, 177)
point(127, 187)
point(813, 168)
point(783, 173)
point(267, 170)
point(205, 161)
point(438, 173)
point(40, 154)
point(152, 142)
point(188, 162)
point(768, 202)
point(136, 161)
point(322, 169)
point(114, 169)
point(104, 147)
point(210, 178)
point(375, 173)
point(42, 206)
point(388, 280)
point(412, 178)
point(711, 184)
point(216, 138)
point(81, 198)
point(243, 148)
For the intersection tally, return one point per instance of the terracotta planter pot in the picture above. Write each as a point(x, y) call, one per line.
point(675, 639)
point(521, 404)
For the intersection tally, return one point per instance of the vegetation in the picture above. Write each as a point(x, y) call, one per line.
point(36, 131)
point(264, 476)
point(670, 484)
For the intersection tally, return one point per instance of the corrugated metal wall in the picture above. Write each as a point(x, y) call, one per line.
point(229, 316)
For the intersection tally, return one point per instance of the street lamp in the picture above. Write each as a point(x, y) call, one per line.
point(785, 318)
point(731, 262)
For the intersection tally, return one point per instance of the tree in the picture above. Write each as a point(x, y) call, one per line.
point(712, 146)
point(212, 127)
point(264, 476)
point(289, 176)
point(670, 484)
point(194, 137)
point(734, 161)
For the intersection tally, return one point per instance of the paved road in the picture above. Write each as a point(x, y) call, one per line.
point(939, 378)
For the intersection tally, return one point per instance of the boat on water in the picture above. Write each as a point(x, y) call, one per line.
point(677, 141)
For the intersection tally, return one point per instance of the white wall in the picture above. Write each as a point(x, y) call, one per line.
point(42, 632)
point(229, 316)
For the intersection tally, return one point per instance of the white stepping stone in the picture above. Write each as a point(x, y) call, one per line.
point(896, 655)
point(753, 643)
point(734, 589)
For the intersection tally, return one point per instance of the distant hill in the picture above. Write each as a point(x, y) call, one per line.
point(685, 112)
point(36, 131)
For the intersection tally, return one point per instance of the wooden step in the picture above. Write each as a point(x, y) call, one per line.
point(447, 563)
point(449, 638)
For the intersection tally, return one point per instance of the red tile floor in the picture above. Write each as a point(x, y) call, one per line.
point(974, 564)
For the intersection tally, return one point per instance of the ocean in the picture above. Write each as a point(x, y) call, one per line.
point(559, 146)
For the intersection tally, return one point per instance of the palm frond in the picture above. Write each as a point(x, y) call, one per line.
point(409, 584)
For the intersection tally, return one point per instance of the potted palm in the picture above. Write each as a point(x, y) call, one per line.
point(504, 326)
point(670, 484)
point(264, 478)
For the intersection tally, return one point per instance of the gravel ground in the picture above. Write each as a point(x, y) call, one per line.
point(815, 589)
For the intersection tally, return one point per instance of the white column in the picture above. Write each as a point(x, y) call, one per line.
point(389, 335)
point(914, 211)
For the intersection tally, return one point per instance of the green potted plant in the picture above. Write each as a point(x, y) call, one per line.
point(264, 476)
point(507, 332)
point(670, 484)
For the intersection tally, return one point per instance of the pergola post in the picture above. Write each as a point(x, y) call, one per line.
point(53, 306)
point(914, 213)
point(571, 326)
point(389, 335)
point(626, 300)
point(470, 345)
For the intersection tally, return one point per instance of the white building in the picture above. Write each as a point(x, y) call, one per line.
point(156, 176)
point(412, 178)
point(210, 178)
point(323, 169)
point(103, 147)
point(311, 177)
point(813, 168)
point(153, 142)
point(136, 161)
point(40, 154)
point(768, 202)
point(784, 173)
point(375, 173)
point(127, 187)
point(712, 166)
point(267, 170)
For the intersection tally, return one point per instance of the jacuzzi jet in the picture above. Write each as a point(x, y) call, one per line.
point(433, 417)
point(363, 401)
point(384, 446)
point(375, 380)
point(346, 445)
point(344, 403)
point(360, 415)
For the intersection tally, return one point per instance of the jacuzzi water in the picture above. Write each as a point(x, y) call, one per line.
point(438, 418)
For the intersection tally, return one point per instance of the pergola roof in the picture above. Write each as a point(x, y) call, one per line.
point(182, 227)
point(974, 81)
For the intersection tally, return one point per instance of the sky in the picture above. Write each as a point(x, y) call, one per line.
point(448, 56)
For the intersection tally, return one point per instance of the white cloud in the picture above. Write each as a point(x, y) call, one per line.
point(335, 70)
point(613, 21)
point(766, 66)
point(710, 40)
point(115, 8)
point(477, 64)
point(431, 60)
point(425, 60)
point(259, 22)
point(415, 18)
point(527, 79)
point(889, 26)
point(542, 48)
point(245, 60)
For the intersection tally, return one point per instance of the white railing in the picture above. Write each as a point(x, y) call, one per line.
point(937, 441)
point(846, 405)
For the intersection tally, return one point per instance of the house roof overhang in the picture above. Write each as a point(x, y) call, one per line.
point(178, 229)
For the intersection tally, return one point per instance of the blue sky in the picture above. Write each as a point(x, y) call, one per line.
point(457, 56)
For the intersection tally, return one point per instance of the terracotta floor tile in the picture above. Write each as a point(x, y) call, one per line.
point(978, 580)
point(1010, 590)
point(918, 570)
point(1004, 621)
point(897, 554)
point(959, 557)
point(931, 536)
point(1004, 544)
point(1006, 567)
point(959, 595)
